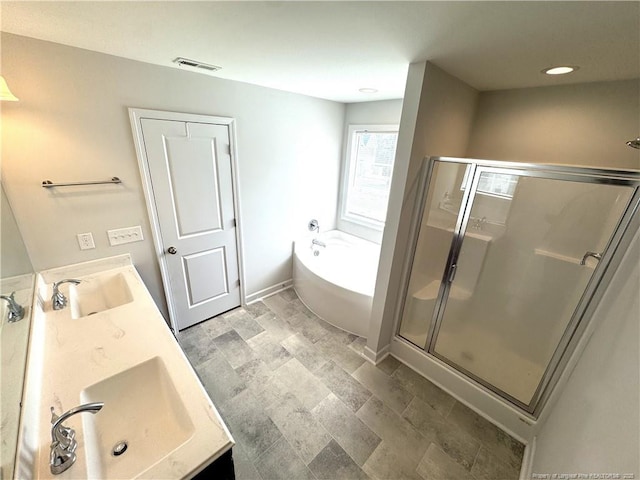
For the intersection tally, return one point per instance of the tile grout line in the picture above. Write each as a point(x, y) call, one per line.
point(475, 459)
point(405, 408)
point(354, 414)
point(437, 444)
point(453, 404)
point(423, 456)
point(282, 437)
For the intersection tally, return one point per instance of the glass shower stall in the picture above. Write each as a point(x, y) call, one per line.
point(506, 264)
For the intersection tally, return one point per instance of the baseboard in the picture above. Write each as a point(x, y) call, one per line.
point(526, 470)
point(265, 292)
point(376, 357)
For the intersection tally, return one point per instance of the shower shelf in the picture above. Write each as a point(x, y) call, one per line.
point(50, 184)
point(558, 256)
point(469, 233)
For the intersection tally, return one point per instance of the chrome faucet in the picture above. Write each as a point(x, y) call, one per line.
point(313, 225)
point(597, 256)
point(63, 441)
point(16, 311)
point(478, 223)
point(317, 242)
point(58, 300)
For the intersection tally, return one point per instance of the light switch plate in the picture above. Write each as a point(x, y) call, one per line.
point(125, 235)
point(85, 240)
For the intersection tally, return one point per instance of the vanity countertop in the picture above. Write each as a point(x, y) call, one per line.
point(171, 421)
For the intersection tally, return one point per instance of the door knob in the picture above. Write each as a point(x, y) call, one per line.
point(172, 250)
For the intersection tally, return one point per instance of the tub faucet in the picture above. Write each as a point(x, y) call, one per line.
point(16, 311)
point(58, 300)
point(63, 441)
point(314, 225)
point(317, 242)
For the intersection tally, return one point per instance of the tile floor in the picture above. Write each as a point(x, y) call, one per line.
point(302, 403)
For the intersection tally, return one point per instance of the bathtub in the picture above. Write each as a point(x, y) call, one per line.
point(338, 284)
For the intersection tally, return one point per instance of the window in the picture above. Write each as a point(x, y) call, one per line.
point(494, 184)
point(367, 174)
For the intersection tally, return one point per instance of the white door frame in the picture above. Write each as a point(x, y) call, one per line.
point(135, 115)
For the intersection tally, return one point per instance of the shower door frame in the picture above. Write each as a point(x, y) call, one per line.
point(623, 232)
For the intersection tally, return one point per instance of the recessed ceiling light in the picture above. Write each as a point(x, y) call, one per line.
point(368, 90)
point(559, 70)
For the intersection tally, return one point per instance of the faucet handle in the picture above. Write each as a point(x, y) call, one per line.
point(596, 255)
point(63, 444)
point(15, 311)
point(64, 436)
point(60, 459)
point(58, 300)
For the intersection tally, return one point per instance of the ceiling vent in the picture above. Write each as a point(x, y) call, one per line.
point(185, 62)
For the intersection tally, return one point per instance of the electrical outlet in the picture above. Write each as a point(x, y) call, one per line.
point(85, 240)
point(125, 235)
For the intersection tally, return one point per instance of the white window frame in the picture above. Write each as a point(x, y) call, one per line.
point(355, 224)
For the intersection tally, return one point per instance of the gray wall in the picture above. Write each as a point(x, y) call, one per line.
point(71, 124)
point(583, 124)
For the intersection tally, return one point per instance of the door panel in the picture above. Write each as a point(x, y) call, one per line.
point(206, 275)
point(436, 234)
point(190, 169)
point(188, 189)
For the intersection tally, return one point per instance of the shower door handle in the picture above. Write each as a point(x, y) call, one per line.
point(452, 272)
point(596, 255)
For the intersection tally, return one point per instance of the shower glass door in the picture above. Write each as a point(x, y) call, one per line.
point(527, 246)
point(438, 225)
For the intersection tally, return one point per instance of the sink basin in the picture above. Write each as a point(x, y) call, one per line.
point(142, 409)
point(98, 294)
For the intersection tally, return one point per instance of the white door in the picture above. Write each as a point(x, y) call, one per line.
point(189, 165)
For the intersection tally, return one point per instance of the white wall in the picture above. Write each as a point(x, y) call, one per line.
point(583, 124)
point(384, 112)
point(594, 426)
point(436, 120)
point(71, 124)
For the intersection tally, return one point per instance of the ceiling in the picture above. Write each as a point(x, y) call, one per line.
point(332, 49)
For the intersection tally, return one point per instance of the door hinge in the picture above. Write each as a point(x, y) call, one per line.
point(235, 224)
